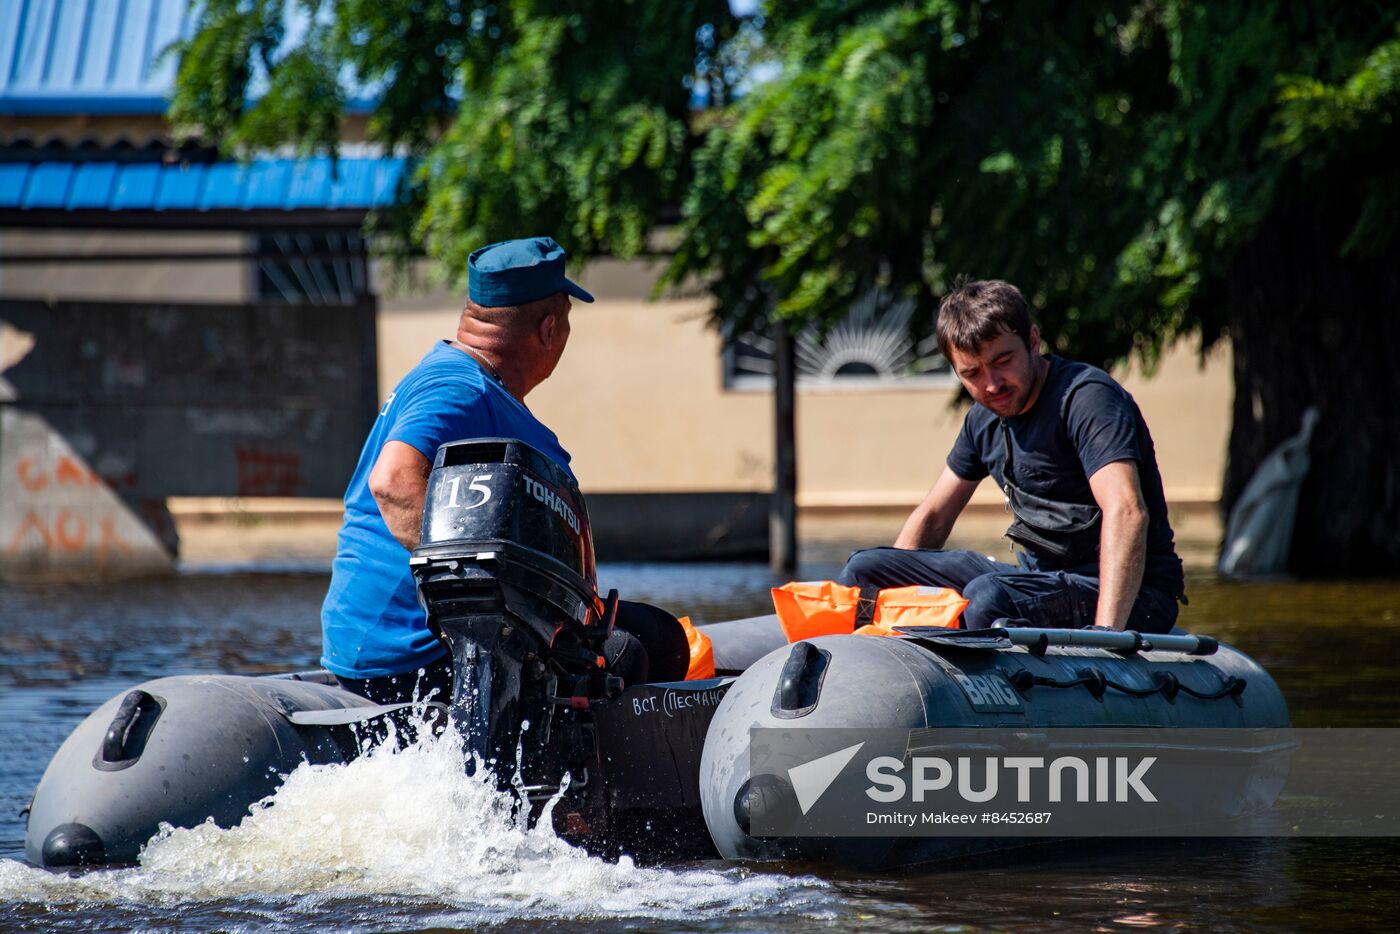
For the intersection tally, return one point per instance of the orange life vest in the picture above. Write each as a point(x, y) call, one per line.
point(807, 609)
point(702, 652)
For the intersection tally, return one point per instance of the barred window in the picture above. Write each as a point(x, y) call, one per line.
point(311, 268)
point(877, 345)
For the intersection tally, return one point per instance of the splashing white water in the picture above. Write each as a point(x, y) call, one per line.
point(409, 824)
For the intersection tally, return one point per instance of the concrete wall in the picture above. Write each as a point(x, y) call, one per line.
point(639, 397)
point(59, 519)
point(122, 383)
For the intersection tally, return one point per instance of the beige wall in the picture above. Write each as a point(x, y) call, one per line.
point(640, 403)
point(205, 281)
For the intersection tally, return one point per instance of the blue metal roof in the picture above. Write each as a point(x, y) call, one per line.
point(88, 56)
point(263, 184)
point(104, 56)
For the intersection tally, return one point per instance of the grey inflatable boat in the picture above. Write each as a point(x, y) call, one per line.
point(655, 769)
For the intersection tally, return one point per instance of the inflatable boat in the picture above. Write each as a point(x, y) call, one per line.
point(506, 575)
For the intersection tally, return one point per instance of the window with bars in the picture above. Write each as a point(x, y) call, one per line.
point(311, 267)
point(877, 345)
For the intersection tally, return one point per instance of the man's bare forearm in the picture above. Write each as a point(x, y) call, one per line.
point(403, 514)
point(1122, 555)
point(931, 521)
point(924, 529)
point(399, 484)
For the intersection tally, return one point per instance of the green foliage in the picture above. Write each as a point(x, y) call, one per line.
point(1108, 157)
point(406, 52)
point(216, 66)
point(526, 117)
point(1111, 157)
point(577, 126)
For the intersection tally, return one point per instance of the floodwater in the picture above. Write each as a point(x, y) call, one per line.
point(406, 842)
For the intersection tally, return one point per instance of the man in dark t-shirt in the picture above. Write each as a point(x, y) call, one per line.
point(1069, 448)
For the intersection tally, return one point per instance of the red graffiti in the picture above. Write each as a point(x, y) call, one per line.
point(31, 521)
point(70, 473)
point(268, 473)
point(67, 472)
point(27, 478)
point(70, 533)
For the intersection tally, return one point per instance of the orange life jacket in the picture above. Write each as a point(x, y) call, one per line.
point(807, 609)
point(702, 652)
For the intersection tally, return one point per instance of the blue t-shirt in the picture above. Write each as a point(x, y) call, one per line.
point(1081, 421)
point(371, 623)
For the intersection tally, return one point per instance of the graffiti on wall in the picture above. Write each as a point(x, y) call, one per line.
point(66, 529)
point(58, 513)
point(268, 473)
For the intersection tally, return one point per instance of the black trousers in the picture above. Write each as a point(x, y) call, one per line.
point(647, 644)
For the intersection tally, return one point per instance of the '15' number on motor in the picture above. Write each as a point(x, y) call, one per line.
point(474, 485)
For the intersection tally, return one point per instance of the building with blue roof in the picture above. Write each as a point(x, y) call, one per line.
point(180, 192)
point(87, 158)
point(83, 142)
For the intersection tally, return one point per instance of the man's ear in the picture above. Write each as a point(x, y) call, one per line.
point(548, 330)
point(1035, 340)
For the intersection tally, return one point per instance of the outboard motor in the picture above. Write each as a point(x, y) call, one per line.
point(506, 574)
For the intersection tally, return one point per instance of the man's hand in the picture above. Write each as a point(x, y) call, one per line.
point(399, 483)
point(1123, 542)
point(931, 521)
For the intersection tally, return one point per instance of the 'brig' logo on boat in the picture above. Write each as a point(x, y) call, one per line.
point(554, 501)
point(990, 692)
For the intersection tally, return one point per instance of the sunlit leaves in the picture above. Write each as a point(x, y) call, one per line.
point(216, 65)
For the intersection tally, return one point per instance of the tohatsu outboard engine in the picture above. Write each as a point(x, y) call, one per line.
point(506, 574)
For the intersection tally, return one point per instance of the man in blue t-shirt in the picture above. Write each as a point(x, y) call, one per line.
point(1069, 448)
point(510, 337)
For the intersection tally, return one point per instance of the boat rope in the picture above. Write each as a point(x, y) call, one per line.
point(1097, 683)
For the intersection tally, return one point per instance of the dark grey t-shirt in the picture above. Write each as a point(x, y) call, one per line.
point(1082, 421)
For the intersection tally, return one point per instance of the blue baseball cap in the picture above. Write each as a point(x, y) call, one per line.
point(516, 272)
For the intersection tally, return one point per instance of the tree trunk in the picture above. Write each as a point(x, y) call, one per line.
point(782, 515)
point(1309, 328)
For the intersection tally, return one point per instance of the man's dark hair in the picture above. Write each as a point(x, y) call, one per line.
point(980, 310)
